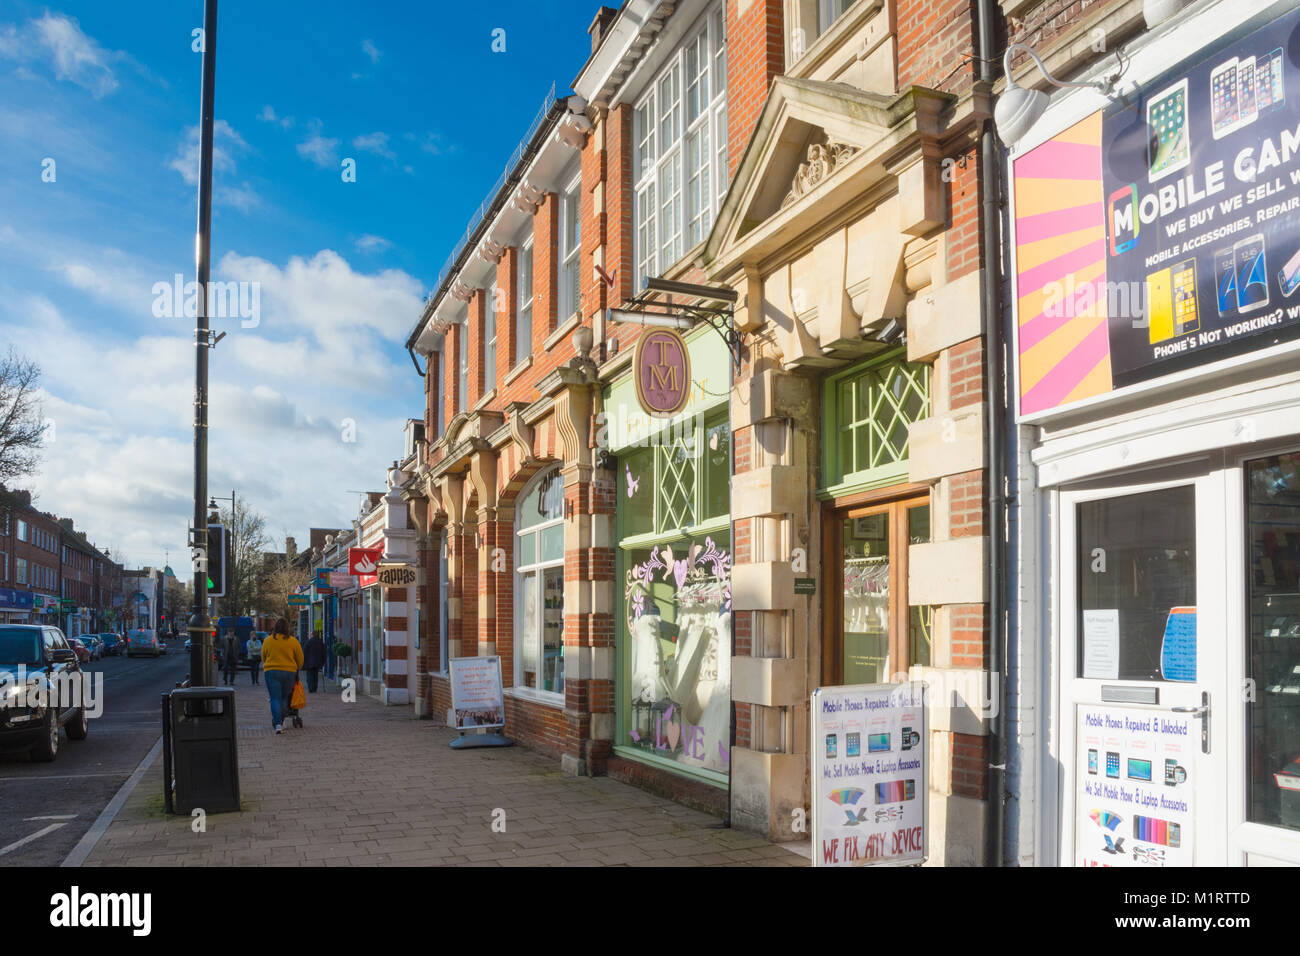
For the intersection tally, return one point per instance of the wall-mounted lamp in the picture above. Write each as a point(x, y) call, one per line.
point(1156, 12)
point(681, 322)
point(1018, 109)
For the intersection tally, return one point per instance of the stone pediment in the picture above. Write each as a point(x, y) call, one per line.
point(834, 184)
point(815, 142)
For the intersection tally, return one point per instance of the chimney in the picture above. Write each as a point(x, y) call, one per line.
point(604, 17)
point(290, 548)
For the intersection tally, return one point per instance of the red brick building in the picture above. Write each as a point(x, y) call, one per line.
point(815, 165)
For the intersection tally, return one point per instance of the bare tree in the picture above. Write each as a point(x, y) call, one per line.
point(248, 543)
point(280, 578)
point(22, 430)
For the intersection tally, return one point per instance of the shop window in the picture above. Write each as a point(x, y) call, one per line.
point(868, 411)
point(1137, 566)
point(1273, 665)
point(539, 583)
point(675, 562)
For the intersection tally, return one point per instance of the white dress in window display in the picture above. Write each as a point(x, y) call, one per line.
point(647, 659)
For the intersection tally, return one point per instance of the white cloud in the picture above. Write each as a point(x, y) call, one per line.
point(321, 150)
point(376, 143)
point(369, 49)
point(226, 142)
point(432, 143)
point(73, 56)
point(268, 116)
point(369, 243)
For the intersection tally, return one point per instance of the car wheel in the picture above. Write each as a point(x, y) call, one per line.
point(45, 750)
point(79, 725)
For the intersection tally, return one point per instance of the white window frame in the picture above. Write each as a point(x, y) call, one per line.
point(665, 222)
point(20, 570)
point(462, 386)
point(22, 530)
point(569, 276)
point(490, 339)
point(524, 303)
point(535, 568)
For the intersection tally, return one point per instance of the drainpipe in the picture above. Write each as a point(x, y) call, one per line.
point(992, 306)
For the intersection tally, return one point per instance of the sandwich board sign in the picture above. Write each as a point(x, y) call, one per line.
point(869, 775)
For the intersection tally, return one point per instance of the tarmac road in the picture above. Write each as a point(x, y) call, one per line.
point(47, 807)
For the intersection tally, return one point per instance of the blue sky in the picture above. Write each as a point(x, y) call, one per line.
point(412, 92)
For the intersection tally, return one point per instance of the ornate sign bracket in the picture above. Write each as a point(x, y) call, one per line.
point(718, 317)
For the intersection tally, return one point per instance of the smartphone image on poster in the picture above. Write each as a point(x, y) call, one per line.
point(1186, 316)
point(1246, 90)
point(1168, 142)
point(1278, 95)
point(1092, 760)
point(1123, 218)
point(1160, 306)
point(1252, 273)
point(1225, 280)
point(1289, 277)
point(1225, 111)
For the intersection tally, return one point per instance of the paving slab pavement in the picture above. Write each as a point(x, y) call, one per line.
point(364, 784)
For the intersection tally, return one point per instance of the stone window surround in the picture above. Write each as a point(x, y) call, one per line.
point(830, 41)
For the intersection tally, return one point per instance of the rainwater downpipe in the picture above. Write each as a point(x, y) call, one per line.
point(990, 219)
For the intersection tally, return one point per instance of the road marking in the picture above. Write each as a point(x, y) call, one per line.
point(87, 843)
point(71, 776)
point(28, 839)
point(57, 816)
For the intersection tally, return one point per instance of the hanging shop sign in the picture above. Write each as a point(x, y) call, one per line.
point(1163, 233)
point(396, 574)
point(340, 579)
point(364, 560)
point(299, 600)
point(663, 372)
point(1134, 791)
point(869, 774)
point(476, 695)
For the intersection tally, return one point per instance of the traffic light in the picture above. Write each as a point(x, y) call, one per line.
point(218, 559)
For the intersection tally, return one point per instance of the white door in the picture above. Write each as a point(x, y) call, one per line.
point(1142, 676)
point(1264, 718)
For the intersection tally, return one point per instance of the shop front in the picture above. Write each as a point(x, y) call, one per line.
point(673, 528)
point(1157, 332)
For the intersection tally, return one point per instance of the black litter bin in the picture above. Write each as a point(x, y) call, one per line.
point(204, 754)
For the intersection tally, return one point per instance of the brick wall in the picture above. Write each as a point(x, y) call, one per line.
point(755, 56)
point(935, 41)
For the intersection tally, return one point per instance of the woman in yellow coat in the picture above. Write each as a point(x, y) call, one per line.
point(281, 660)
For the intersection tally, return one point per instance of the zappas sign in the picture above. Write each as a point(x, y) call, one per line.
point(663, 372)
point(1163, 233)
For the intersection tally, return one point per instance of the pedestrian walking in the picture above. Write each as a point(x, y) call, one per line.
point(230, 652)
point(281, 659)
point(254, 656)
point(313, 660)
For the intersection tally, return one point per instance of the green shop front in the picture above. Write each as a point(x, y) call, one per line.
point(673, 559)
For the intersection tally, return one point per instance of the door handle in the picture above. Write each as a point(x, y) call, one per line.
point(1202, 712)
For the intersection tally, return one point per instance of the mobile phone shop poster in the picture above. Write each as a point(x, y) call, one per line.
point(869, 785)
point(1134, 780)
point(1194, 181)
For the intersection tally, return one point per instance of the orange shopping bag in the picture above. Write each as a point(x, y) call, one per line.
point(299, 698)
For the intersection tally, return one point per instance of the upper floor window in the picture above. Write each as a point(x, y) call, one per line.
point(463, 387)
point(490, 339)
point(570, 242)
point(524, 309)
point(806, 20)
point(680, 141)
point(22, 530)
point(828, 11)
point(4, 522)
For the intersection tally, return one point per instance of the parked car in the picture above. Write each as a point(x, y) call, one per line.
point(143, 641)
point(112, 644)
point(81, 650)
point(88, 642)
point(32, 721)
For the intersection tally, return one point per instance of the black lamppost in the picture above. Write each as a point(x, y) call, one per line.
point(200, 626)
